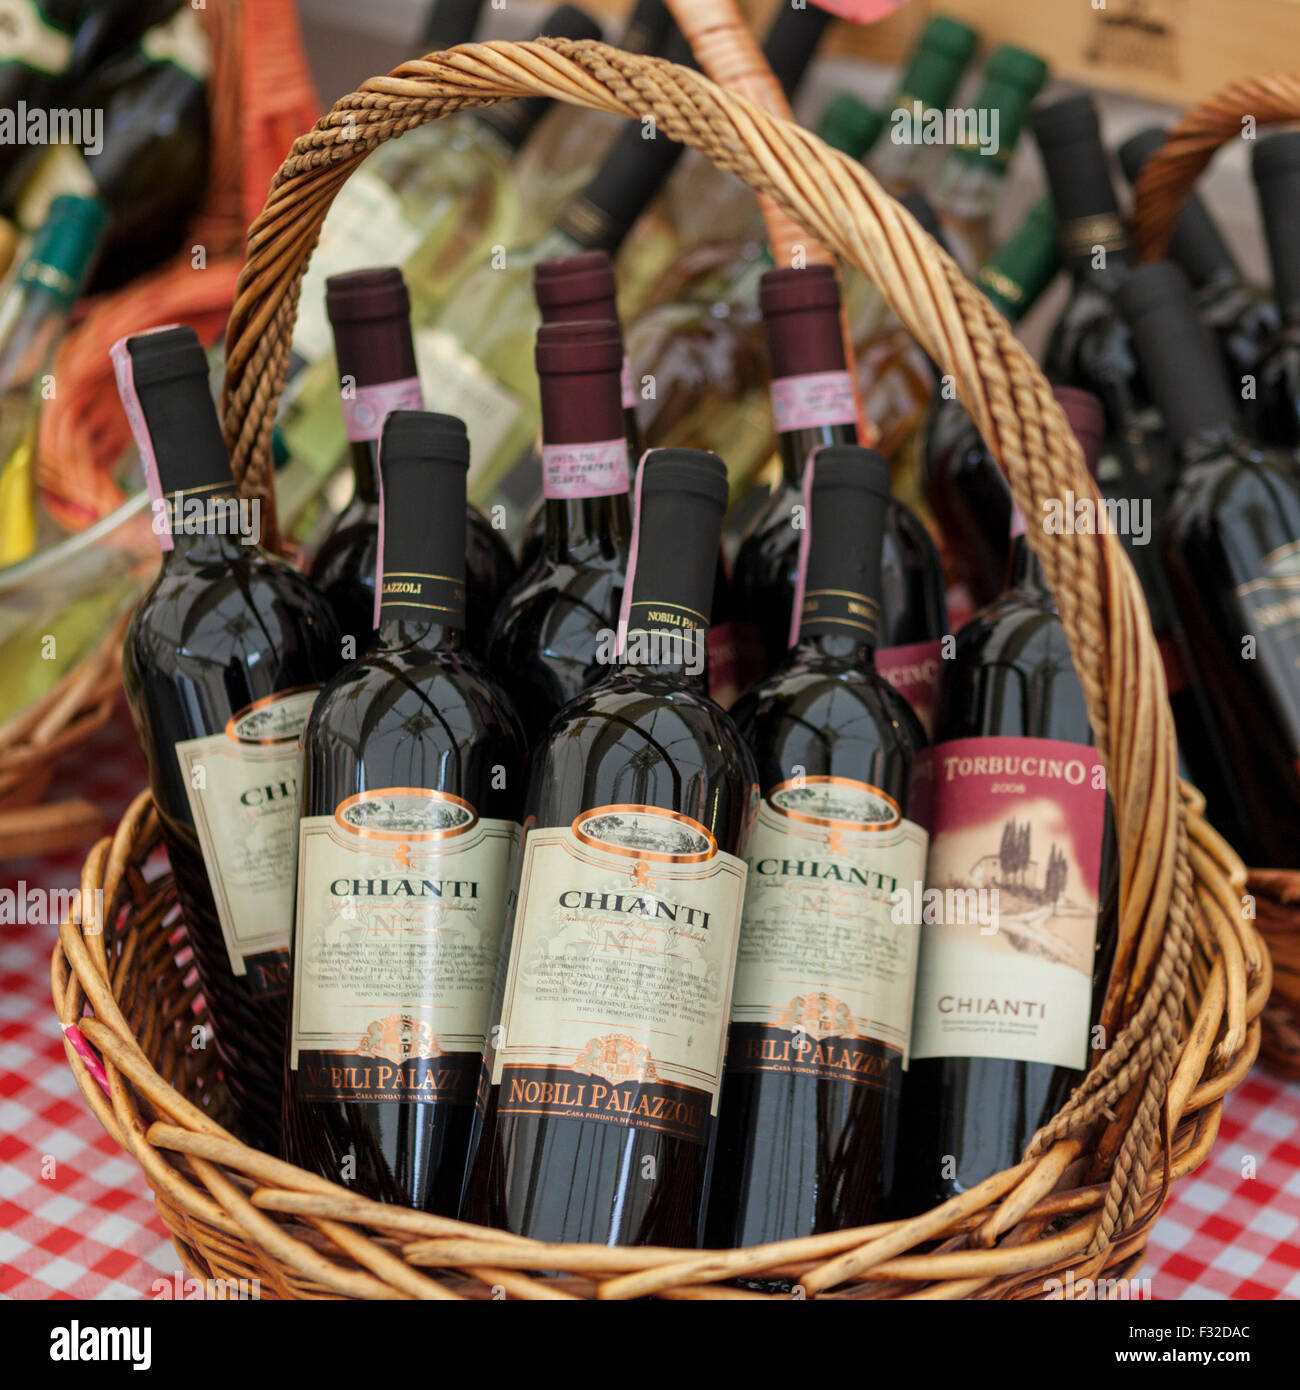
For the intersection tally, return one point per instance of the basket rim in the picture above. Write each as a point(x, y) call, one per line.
point(1178, 1038)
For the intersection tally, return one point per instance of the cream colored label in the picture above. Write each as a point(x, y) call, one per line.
point(182, 42)
point(456, 383)
point(403, 894)
point(365, 227)
point(821, 952)
point(620, 971)
point(27, 37)
point(243, 789)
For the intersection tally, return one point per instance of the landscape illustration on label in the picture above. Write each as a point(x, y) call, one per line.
point(406, 813)
point(835, 801)
point(646, 832)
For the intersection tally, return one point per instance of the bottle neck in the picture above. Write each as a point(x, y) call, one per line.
point(377, 375)
point(365, 471)
point(587, 528)
point(586, 469)
point(834, 649)
point(837, 600)
point(1025, 570)
point(396, 632)
point(206, 526)
point(797, 445)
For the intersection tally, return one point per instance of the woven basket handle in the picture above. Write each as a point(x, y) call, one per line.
point(1170, 174)
point(838, 201)
point(729, 53)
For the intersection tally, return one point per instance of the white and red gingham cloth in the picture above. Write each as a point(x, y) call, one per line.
point(76, 1219)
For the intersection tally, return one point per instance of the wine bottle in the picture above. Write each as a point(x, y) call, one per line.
point(1016, 948)
point(369, 311)
point(33, 316)
point(601, 1080)
point(1089, 346)
point(708, 204)
point(439, 198)
point(964, 486)
point(547, 633)
point(821, 1010)
point(813, 404)
point(150, 161)
point(412, 790)
point(578, 289)
point(449, 23)
point(1275, 164)
point(573, 142)
point(222, 662)
point(1231, 537)
point(848, 124)
point(933, 74)
point(478, 349)
point(970, 180)
point(1243, 318)
point(37, 64)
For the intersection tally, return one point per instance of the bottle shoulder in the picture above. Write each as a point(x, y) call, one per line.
point(443, 697)
point(228, 608)
point(651, 713)
point(835, 701)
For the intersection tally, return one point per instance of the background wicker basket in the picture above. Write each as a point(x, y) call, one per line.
point(1235, 113)
point(1191, 975)
point(259, 95)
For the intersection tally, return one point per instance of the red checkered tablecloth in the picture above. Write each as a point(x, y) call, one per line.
point(76, 1219)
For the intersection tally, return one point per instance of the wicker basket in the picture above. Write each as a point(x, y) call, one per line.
point(1191, 975)
point(1235, 113)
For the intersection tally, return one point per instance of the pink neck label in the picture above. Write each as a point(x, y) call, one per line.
point(125, 374)
point(365, 411)
point(585, 470)
point(805, 546)
point(1018, 527)
point(625, 608)
point(628, 386)
point(813, 402)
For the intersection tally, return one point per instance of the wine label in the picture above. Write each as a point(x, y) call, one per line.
point(813, 401)
point(1010, 905)
point(243, 791)
point(585, 470)
point(403, 896)
point(365, 227)
point(1272, 610)
point(30, 39)
point(182, 42)
point(827, 961)
point(619, 983)
point(366, 407)
point(913, 670)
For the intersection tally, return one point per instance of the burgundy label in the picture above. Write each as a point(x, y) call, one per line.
point(913, 670)
point(366, 409)
point(1011, 899)
point(680, 1111)
point(814, 401)
point(585, 470)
